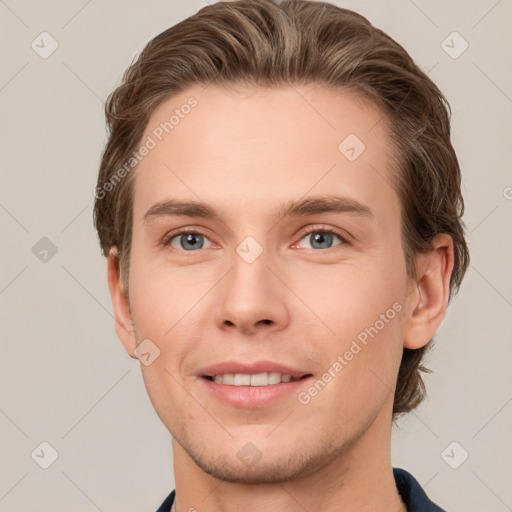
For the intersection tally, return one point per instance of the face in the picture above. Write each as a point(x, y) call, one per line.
point(267, 269)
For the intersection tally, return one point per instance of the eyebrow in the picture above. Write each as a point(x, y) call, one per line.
point(298, 208)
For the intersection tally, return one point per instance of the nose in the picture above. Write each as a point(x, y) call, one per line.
point(251, 299)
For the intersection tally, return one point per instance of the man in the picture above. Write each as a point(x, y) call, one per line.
point(279, 202)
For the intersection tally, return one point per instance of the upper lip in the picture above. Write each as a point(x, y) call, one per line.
point(250, 368)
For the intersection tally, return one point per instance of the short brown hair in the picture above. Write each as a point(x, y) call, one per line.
point(269, 43)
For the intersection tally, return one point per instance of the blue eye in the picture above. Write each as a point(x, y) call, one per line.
point(322, 239)
point(190, 241)
point(187, 241)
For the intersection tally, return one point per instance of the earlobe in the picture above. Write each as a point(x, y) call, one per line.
point(123, 322)
point(427, 304)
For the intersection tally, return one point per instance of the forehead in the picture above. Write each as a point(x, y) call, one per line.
point(263, 146)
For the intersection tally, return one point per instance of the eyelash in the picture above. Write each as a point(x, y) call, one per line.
point(324, 230)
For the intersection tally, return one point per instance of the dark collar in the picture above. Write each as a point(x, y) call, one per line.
point(410, 490)
point(412, 494)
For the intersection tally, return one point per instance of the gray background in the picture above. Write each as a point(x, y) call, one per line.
point(66, 379)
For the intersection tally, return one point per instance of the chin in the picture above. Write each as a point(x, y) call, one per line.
point(262, 472)
point(273, 464)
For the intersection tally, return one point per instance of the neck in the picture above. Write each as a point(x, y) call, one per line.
point(359, 479)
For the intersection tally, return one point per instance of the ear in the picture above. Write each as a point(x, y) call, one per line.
point(123, 322)
point(426, 304)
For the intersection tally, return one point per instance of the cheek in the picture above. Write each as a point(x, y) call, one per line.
point(163, 296)
point(171, 307)
point(362, 306)
point(360, 366)
point(350, 296)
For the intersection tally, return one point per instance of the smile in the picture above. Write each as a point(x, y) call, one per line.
point(257, 379)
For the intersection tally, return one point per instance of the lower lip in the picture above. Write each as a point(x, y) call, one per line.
point(253, 397)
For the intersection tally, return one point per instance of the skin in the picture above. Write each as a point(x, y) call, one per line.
point(244, 153)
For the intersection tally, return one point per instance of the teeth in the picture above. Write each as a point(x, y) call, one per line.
point(258, 379)
point(242, 380)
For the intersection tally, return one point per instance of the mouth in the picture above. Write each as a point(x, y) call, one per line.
point(262, 379)
point(252, 385)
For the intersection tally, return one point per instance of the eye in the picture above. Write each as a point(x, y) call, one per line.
point(318, 238)
point(321, 239)
point(188, 241)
